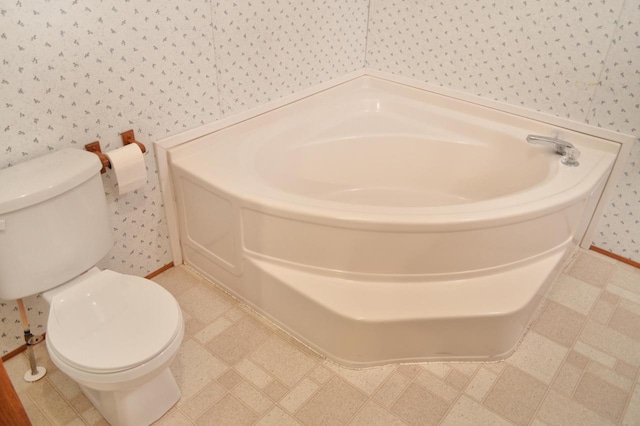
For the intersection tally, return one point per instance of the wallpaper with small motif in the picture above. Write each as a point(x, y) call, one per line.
point(616, 105)
point(269, 49)
point(574, 59)
point(74, 72)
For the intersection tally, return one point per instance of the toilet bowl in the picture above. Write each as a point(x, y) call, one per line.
point(115, 335)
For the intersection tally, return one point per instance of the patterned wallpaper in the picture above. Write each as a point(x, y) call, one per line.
point(274, 48)
point(574, 59)
point(616, 105)
point(73, 72)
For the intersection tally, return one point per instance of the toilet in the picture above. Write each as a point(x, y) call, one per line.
point(114, 334)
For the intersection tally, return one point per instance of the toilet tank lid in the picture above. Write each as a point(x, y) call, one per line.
point(44, 177)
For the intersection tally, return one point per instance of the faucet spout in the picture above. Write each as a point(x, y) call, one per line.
point(560, 145)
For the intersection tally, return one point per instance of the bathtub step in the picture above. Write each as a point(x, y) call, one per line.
point(499, 294)
point(360, 323)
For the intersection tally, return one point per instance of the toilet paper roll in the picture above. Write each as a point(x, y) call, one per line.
point(128, 163)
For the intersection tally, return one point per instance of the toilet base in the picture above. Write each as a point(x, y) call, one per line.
point(136, 406)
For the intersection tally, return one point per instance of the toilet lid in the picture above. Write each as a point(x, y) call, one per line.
point(112, 322)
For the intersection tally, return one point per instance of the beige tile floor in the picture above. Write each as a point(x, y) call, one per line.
point(578, 364)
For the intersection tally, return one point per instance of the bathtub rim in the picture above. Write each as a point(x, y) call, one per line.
point(406, 219)
point(162, 147)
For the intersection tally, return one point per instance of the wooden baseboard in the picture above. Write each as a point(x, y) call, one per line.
point(615, 256)
point(14, 352)
point(159, 271)
point(23, 348)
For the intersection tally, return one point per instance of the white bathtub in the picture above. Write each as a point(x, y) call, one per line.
point(380, 223)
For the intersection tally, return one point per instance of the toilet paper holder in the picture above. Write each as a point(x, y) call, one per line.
point(127, 138)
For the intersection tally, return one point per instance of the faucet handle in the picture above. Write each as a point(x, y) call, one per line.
point(560, 145)
point(570, 157)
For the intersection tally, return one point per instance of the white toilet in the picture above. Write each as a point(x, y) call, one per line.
point(114, 334)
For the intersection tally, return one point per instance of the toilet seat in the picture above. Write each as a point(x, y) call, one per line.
point(110, 322)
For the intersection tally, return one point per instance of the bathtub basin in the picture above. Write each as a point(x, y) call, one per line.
point(381, 223)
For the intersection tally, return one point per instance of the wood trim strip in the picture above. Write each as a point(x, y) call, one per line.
point(159, 271)
point(14, 352)
point(23, 348)
point(615, 256)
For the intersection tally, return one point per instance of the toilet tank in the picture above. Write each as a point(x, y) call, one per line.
point(54, 222)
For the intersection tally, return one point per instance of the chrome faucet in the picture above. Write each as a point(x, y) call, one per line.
point(561, 146)
point(569, 153)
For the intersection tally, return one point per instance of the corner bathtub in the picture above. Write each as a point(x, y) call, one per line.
point(381, 223)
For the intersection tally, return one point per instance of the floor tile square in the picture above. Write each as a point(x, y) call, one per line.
point(50, 402)
point(299, 395)
point(36, 416)
point(320, 374)
point(334, 404)
point(577, 359)
point(629, 306)
point(203, 303)
point(277, 417)
point(592, 269)
point(192, 325)
point(466, 368)
point(204, 399)
point(594, 354)
point(172, 418)
point(559, 323)
point(611, 376)
point(626, 323)
point(212, 330)
point(253, 373)
point(238, 340)
point(602, 312)
point(558, 409)
point(481, 383)
point(390, 390)
point(601, 397)
point(230, 379)
point(624, 294)
point(538, 356)
point(515, 395)
point(417, 406)
point(275, 390)
point(467, 412)
point(374, 415)
point(626, 370)
point(252, 397)
point(457, 379)
point(227, 411)
point(282, 361)
point(632, 413)
point(409, 370)
point(438, 369)
point(177, 280)
point(436, 386)
point(65, 385)
point(609, 297)
point(574, 294)
point(626, 277)
point(194, 368)
point(611, 342)
point(567, 378)
point(365, 379)
point(80, 403)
